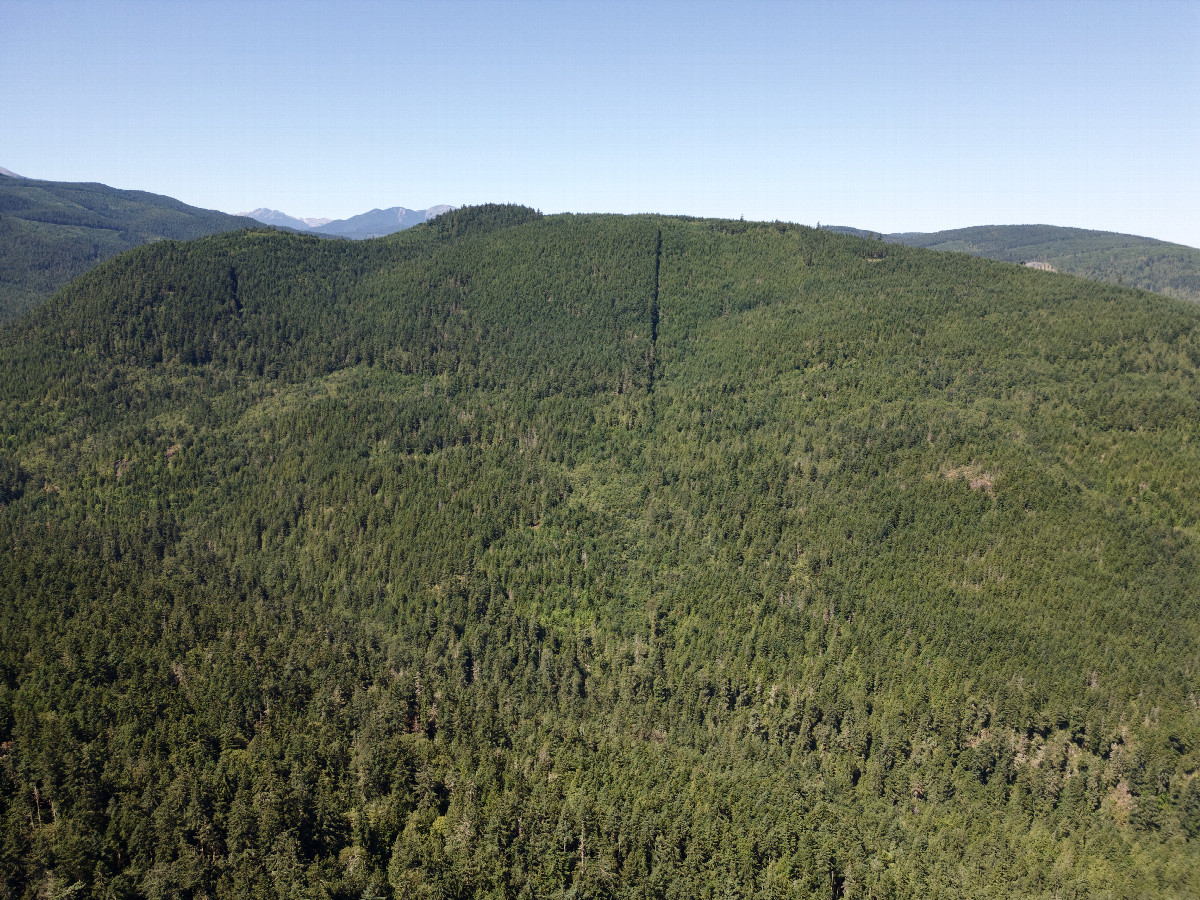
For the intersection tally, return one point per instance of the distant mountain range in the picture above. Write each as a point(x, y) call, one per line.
point(1126, 259)
point(376, 223)
point(283, 220)
point(53, 231)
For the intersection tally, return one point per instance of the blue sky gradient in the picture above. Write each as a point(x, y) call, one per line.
point(888, 116)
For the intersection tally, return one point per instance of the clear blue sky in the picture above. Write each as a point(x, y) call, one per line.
point(890, 116)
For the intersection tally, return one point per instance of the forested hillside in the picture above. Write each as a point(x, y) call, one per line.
point(1159, 266)
point(52, 231)
point(520, 556)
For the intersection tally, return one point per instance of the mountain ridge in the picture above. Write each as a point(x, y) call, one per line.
point(1124, 259)
point(537, 555)
point(371, 224)
point(275, 217)
point(53, 231)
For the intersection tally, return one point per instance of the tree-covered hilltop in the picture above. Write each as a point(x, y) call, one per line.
point(1126, 259)
point(53, 231)
point(607, 556)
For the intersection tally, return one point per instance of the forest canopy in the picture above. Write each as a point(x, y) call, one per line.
point(53, 231)
point(616, 556)
point(1124, 259)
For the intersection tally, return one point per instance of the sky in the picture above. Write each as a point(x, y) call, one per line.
point(890, 116)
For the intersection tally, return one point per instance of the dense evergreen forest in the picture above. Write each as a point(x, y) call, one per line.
point(1124, 259)
point(597, 556)
point(53, 231)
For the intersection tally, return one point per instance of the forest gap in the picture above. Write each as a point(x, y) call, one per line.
point(654, 308)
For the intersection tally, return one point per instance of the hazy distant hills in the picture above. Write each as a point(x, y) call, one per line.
point(376, 223)
point(283, 220)
point(380, 222)
point(52, 231)
point(1146, 263)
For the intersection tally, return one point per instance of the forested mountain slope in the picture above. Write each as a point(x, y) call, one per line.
point(52, 231)
point(614, 556)
point(1152, 265)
